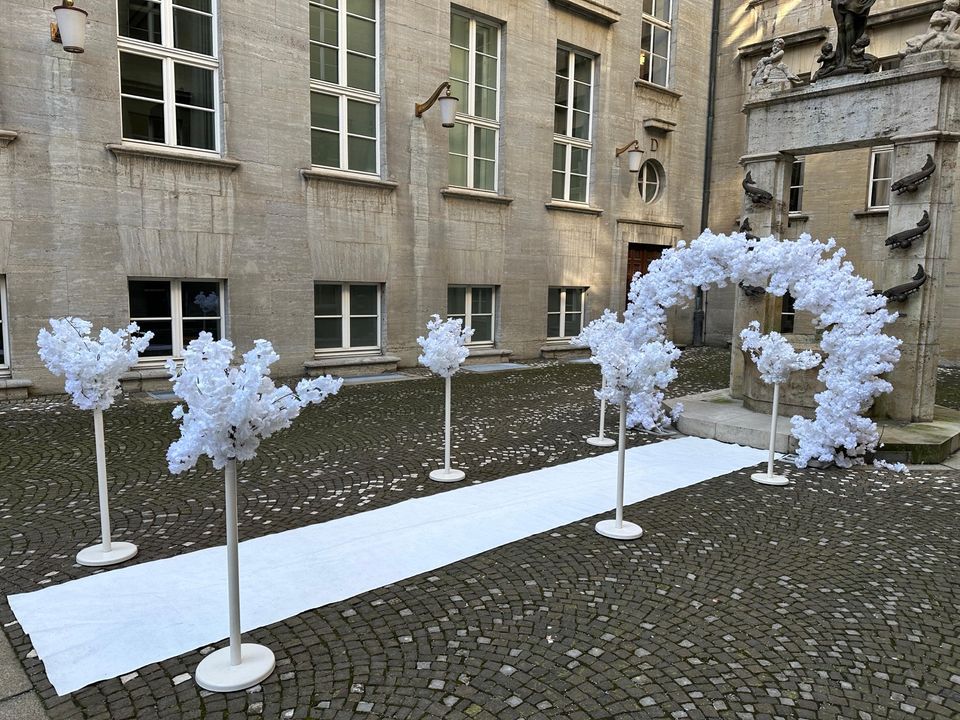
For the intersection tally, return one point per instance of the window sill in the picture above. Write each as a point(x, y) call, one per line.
point(11, 389)
point(565, 206)
point(351, 365)
point(659, 88)
point(872, 212)
point(357, 357)
point(349, 178)
point(467, 194)
point(172, 154)
point(7, 137)
point(590, 9)
point(798, 216)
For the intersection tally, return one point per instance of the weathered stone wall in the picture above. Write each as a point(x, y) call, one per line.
point(76, 220)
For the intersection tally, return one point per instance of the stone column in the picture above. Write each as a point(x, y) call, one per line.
point(914, 378)
point(771, 172)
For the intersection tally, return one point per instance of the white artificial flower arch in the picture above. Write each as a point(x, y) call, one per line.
point(823, 284)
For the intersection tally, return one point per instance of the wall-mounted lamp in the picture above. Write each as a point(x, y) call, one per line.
point(70, 27)
point(634, 155)
point(448, 105)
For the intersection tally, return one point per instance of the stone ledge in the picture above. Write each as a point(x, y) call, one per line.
point(590, 9)
point(921, 443)
point(564, 206)
point(480, 355)
point(145, 379)
point(15, 388)
point(351, 365)
point(468, 194)
point(121, 150)
point(651, 223)
point(871, 213)
point(339, 176)
point(911, 12)
point(647, 85)
point(563, 351)
point(7, 137)
point(653, 124)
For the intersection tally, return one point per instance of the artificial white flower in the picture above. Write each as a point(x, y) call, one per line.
point(824, 284)
point(231, 409)
point(92, 367)
point(444, 347)
point(773, 355)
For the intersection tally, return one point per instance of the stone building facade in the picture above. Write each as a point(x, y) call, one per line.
point(257, 170)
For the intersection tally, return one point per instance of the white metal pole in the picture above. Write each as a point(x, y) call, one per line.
point(603, 409)
point(621, 458)
point(773, 428)
point(233, 560)
point(446, 428)
point(102, 480)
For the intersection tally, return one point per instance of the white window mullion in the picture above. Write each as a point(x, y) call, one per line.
point(166, 23)
point(169, 103)
point(345, 314)
point(176, 319)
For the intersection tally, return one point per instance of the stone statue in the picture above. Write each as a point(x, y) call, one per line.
point(773, 64)
point(944, 32)
point(849, 53)
point(826, 59)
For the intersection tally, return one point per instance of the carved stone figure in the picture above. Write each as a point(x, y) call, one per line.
point(905, 238)
point(943, 34)
point(826, 59)
point(772, 68)
point(758, 196)
point(901, 292)
point(849, 54)
point(911, 182)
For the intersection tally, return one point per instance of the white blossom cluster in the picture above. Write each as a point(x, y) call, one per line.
point(231, 409)
point(92, 367)
point(633, 372)
point(823, 284)
point(444, 347)
point(774, 357)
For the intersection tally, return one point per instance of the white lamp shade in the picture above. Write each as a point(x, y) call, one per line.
point(448, 109)
point(634, 157)
point(72, 23)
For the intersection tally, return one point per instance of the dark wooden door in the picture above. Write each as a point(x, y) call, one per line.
point(639, 257)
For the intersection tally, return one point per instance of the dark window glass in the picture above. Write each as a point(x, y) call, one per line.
point(193, 328)
point(140, 20)
point(192, 31)
point(553, 325)
point(363, 332)
point(456, 301)
point(149, 298)
point(482, 328)
point(161, 344)
point(200, 299)
point(328, 332)
point(482, 300)
point(327, 300)
point(553, 300)
point(363, 300)
point(141, 76)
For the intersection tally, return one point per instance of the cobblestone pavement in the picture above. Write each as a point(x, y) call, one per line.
point(835, 597)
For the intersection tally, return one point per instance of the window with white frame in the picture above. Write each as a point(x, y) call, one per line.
point(796, 185)
point(564, 312)
point(4, 343)
point(177, 311)
point(169, 72)
point(346, 316)
point(650, 180)
point(474, 78)
point(655, 42)
point(475, 306)
point(344, 85)
point(571, 125)
point(881, 172)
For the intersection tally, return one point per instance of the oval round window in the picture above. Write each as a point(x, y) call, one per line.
point(650, 180)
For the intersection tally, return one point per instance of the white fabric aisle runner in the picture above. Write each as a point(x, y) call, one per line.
point(109, 624)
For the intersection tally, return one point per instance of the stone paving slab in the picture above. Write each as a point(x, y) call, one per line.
point(835, 596)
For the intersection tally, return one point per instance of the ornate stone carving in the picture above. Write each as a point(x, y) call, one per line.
point(757, 195)
point(752, 291)
point(747, 231)
point(900, 293)
point(943, 34)
point(850, 53)
point(905, 238)
point(913, 180)
point(771, 69)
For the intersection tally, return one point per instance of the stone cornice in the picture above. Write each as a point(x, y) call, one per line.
point(795, 38)
point(7, 137)
point(590, 9)
point(172, 154)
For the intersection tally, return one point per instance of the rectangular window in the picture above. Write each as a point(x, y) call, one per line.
point(169, 72)
point(564, 312)
point(572, 109)
point(4, 343)
point(344, 85)
point(655, 42)
point(881, 171)
point(475, 306)
point(346, 317)
point(177, 311)
point(787, 314)
point(474, 78)
point(796, 185)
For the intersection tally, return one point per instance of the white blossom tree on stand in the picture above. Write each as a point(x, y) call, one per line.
point(230, 410)
point(92, 369)
point(631, 371)
point(585, 339)
point(444, 350)
point(775, 359)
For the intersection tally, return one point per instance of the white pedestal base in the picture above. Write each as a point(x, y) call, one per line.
point(95, 556)
point(451, 475)
point(626, 531)
point(217, 674)
point(601, 441)
point(765, 479)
